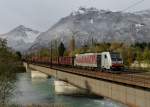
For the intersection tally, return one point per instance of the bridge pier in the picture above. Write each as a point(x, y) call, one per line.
point(27, 67)
point(38, 74)
point(64, 88)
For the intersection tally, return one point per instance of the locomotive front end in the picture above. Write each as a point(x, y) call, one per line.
point(116, 61)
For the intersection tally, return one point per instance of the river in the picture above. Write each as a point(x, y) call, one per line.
point(41, 91)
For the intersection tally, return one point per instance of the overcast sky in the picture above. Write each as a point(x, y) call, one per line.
point(42, 14)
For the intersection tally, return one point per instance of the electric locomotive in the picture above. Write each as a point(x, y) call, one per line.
point(105, 61)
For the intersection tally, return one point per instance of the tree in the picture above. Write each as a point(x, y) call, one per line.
point(115, 45)
point(3, 43)
point(74, 33)
point(44, 52)
point(123, 52)
point(61, 49)
point(72, 44)
point(7, 81)
point(139, 56)
point(8, 67)
point(100, 47)
point(130, 55)
point(146, 55)
point(19, 55)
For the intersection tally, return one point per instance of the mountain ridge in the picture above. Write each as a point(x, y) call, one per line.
point(20, 38)
point(102, 25)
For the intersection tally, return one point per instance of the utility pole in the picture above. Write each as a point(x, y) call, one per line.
point(51, 54)
point(57, 55)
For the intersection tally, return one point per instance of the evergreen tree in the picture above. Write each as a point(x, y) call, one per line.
point(61, 49)
point(19, 55)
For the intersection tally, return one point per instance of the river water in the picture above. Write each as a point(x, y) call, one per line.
point(41, 91)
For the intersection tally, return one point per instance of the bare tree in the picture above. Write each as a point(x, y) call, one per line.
point(7, 80)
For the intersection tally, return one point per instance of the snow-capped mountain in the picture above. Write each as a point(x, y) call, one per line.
point(100, 25)
point(20, 38)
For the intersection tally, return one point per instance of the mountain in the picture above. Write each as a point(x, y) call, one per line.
point(86, 24)
point(20, 38)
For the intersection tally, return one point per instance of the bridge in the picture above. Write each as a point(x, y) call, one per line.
point(132, 89)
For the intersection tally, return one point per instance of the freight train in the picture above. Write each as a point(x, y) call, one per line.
point(105, 61)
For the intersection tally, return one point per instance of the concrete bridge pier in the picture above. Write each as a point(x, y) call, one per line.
point(27, 67)
point(64, 88)
point(38, 74)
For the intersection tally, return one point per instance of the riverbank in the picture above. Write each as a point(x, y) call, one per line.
point(20, 69)
point(50, 105)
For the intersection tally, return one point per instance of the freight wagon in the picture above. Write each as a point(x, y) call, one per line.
point(66, 61)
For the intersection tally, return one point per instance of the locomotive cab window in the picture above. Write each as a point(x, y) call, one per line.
point(116, 57)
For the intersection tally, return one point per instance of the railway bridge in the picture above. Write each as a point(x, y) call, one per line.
point(131, 89)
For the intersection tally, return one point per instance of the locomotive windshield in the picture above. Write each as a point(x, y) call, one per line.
point(116, 56)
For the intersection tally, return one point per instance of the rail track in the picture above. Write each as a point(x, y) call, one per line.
point(126, 78)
